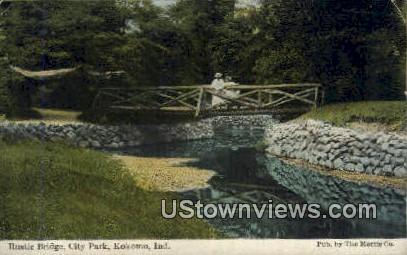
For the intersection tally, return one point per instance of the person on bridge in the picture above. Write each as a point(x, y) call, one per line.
point(218, 84)
point(228, 92)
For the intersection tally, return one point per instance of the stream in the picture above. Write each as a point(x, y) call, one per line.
point(246, 175)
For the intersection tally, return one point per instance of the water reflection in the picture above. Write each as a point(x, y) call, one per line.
point(267, 179)
point(245, 175)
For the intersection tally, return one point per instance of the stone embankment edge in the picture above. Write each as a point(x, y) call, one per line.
point(339, 148)
point(114, 137)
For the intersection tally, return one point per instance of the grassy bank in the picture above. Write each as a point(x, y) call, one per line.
point(54, 191)
point(391, 114)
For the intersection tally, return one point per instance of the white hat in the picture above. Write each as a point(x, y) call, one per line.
point(218, 75)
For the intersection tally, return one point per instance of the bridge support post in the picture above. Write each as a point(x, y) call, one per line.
point(322, 101)
point(199, 103)
point(316, 97)
point(271, 99)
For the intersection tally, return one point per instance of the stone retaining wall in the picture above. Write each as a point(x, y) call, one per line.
point(339, 148)
point(88, 135)
point(97, 136)
point(326, 190)
point(243, 121)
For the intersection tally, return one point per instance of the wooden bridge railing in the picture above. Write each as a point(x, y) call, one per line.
point(197, 98)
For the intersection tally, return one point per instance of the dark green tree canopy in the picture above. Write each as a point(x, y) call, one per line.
point(354, 48)
point(52, 34)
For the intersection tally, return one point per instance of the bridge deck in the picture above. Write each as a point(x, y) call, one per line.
point(198, 98)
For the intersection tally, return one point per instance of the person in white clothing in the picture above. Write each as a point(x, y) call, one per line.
point(218, 84)
point(231, 93)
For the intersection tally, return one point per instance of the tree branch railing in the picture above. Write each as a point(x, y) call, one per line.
point(197, 98)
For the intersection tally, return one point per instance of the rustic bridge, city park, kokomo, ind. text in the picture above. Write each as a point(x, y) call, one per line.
point(197, 98)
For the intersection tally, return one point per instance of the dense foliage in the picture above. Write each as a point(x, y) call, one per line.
point(354, 48)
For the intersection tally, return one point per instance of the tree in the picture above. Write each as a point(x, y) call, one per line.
point(48, 34)
point(283, 35)
point(199, 19)
point(351, 47)
point(403, 18)
point(157, 51)
point(341, 44)
point(4, 90)
point(234, 46)
point(43, 35)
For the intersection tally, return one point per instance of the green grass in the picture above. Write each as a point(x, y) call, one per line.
point(384, 112)
point(53, 191)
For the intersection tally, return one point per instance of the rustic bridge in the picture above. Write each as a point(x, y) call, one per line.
point(197, 98)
